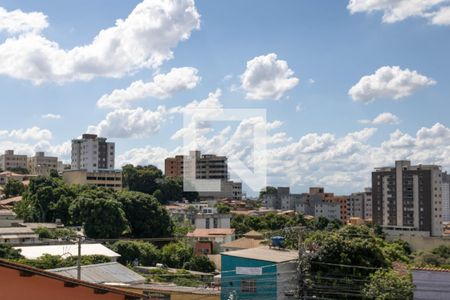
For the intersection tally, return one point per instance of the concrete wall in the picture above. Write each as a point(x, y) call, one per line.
point(431, 285)
point(421, 242)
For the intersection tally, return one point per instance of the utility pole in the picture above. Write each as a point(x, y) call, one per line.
point(79, 258)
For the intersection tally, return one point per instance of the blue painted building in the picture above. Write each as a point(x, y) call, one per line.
point(258, 273)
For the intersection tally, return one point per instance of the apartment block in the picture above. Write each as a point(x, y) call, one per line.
point(106, 178)
point(207, 166)
point(9, 160)
point(92, 153)
point(209, 218)
point(360, 204)
point(39, 164)
point(445, 197)
point(408, 198)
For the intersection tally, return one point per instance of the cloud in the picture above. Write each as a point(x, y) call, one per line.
point(298, 107)
point(162, 86)
point(33, 133)
point(441, 17)
point(388, 82)
point(397, 10)
point(130, 123)
point(383, 118)
point(145, 156)
point(266, 77)
point(51, 116)
point(17, 21)
point(338, 162)
point(143, 40)
point(311, 81)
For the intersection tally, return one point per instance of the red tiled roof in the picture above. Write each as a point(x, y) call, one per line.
point(433, 269)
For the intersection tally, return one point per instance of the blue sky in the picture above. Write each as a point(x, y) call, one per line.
point(328, 46)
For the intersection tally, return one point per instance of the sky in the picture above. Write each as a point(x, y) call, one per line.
point(346, 86)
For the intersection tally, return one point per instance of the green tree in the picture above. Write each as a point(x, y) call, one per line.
point(13, 188)
point(269, 190)
point(223, 208)
point(8, 252)
point(175, 255)
point(147, 218)
point(389, 285)
point(146, 254)
point(200, 264)
point(100, 213)
point(141, 179)
point(19, 170)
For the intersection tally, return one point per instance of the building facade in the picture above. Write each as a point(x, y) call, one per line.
point(207, 166)
point(209, 218)
point(259, 273)
point(408, 198)
point(92, 153)
point(39, 164)
point(360, 205)
point(107, 178)
point(9, 160)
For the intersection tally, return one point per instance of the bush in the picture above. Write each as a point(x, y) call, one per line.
point(145, 253)
point(200, 264)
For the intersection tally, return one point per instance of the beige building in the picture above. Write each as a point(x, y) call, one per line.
point(107, 178)
point(39, 164)
point(9, 161)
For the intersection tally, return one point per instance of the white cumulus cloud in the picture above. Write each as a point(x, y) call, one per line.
point(267, 77)
point(397, 10)
point(388, 82)
point(441, 17)
point(142, 40)
point(130, 123)
point(383, 118)
point(17, 21)
point(32, 133)
point(162, 86)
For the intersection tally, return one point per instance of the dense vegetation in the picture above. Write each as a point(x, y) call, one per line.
point(174, 255)
point(150, 180)
point(104, 213)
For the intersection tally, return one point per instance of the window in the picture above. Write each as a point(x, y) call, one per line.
point(248, 286)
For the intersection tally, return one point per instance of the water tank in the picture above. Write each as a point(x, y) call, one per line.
point(278, 241)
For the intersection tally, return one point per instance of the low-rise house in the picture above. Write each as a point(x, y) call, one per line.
point(205, 241)
point(21, 282)
point(431, 283)
point(8, 175)
point(174, 292)
point(18, 236)
point(8, 218)
point(258, 273)
point(251, 239)
point(34, 252)
point(10, 202)
point(105, 273)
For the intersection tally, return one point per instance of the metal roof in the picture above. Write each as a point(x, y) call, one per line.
point(33, 252)
point(265, 254)
point(111, 272)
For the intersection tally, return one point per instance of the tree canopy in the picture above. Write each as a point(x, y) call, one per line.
point(13, 188)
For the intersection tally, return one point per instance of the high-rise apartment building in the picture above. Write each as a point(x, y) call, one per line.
point(207, 166)
point(39, 164)
point(93, 163)
point(92, 153)
point(9, 161)
point(445, 197)
point(408, 198)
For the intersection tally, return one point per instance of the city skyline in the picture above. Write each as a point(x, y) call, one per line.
point(347, 86)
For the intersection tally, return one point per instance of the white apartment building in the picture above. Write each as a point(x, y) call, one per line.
point(92, 153)
point(209, 218)
point(9, 161)
point(360, 204)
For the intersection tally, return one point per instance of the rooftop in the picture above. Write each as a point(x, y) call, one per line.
point(243, 243)
point(111, 272)
point(211, 232)
point(33, 252)
point(265, 254)
point(69, 282)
